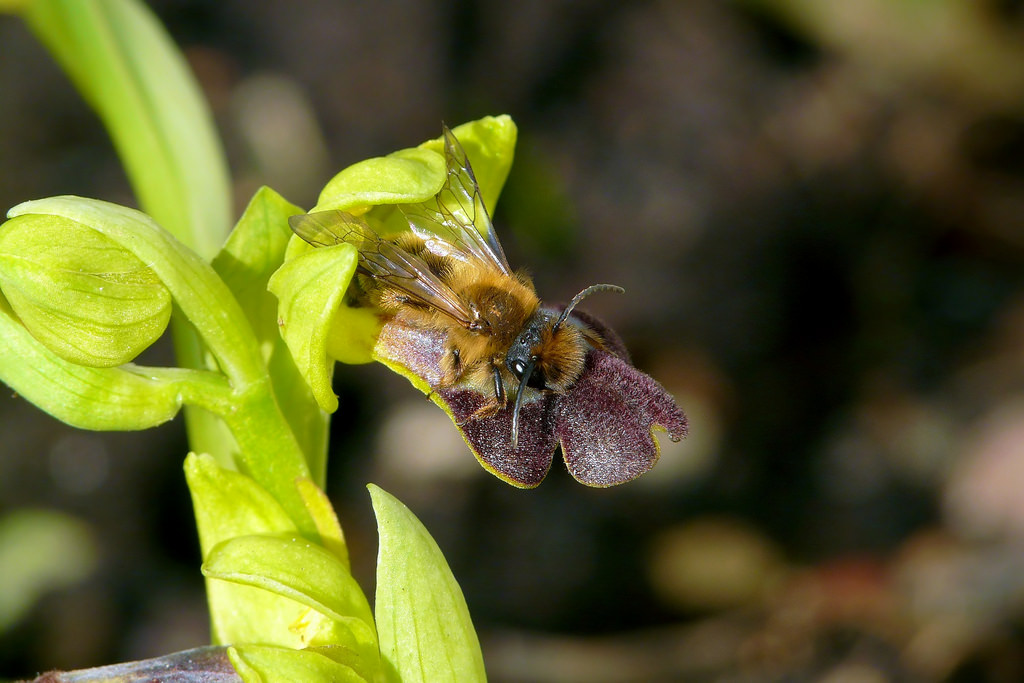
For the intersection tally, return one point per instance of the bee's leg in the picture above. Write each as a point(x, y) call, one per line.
point(451, 367)
point(493, 404)
point(499, 387)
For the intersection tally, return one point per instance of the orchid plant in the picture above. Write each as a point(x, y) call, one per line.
point(259, 317)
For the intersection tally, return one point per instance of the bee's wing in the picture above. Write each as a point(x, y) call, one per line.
point(451, 225)
point(382, 260)
point(327, 228)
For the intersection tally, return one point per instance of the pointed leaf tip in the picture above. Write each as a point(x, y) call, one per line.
point(423, 623)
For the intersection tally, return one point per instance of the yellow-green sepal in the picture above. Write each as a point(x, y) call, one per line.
point(414, 175)
point(310, 290)
point(490, 145)
point(403, 177)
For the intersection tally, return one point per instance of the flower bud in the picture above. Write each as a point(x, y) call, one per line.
point(80, 294)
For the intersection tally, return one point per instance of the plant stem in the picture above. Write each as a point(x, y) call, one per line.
point(268, 450)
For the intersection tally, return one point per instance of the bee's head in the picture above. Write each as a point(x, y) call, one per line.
point(525, 354)
point(548, 354)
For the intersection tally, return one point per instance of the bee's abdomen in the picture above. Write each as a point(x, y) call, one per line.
point(441, 266)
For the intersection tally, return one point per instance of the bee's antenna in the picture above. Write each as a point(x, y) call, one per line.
point(592, 289)
point(519, 400)
point(528, 371)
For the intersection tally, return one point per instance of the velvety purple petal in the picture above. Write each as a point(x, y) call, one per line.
point(490, 437)
point(604, 423)
point(419, 351)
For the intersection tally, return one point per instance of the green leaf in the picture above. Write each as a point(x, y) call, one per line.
point(322, 512)
point(40, 551)
point(403, 177)
point(127, 68)
point(261, 664)
point(125, 398)
point(254, 250)
point(267, 448)
point(423, 623)
point(81, 295)
point(310, 290)
point(228, 504)
point(292, 567)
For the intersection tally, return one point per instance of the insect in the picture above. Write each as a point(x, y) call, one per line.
point(447, 276)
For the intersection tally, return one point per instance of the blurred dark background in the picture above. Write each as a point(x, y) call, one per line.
point(817, 211)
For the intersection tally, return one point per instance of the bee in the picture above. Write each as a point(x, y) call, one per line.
point(449, 273)
point(458, 318)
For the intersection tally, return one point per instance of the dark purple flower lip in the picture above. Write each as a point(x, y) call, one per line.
point(604, 423)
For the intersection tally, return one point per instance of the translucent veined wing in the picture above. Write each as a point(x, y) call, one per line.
point(384, 261)
point(451, 224)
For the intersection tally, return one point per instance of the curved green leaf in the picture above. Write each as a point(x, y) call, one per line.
point(291, 566)
point(414, 175)
point(124, 398)
point(127, 68)
point(266, 445)
point(423, 623)
point(229, 504)
point(195, 287)
point(261, 664)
